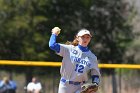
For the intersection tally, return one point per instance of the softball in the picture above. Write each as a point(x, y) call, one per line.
point(57, 29)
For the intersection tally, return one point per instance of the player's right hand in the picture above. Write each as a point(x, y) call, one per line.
point(56, 31)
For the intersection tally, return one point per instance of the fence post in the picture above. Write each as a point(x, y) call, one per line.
point(114, 83)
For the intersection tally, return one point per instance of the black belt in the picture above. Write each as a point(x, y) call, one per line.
point(72, 82)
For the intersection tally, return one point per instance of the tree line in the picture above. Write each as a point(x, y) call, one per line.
point(25, 28)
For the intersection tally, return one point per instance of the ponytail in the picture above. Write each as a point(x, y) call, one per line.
point(74, 42)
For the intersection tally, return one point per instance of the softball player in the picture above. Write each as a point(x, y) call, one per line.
point(77, 61)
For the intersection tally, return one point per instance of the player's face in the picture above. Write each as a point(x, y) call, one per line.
point(34, 79)
point(84, 40)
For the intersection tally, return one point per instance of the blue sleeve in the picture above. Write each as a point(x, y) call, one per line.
point(53, 45)
point(13, 85)
point(1, 84)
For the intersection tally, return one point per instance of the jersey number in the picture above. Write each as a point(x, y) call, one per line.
point(79, 68)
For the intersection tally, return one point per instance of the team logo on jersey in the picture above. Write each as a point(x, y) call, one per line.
point(74, 52)
point(81, 61)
